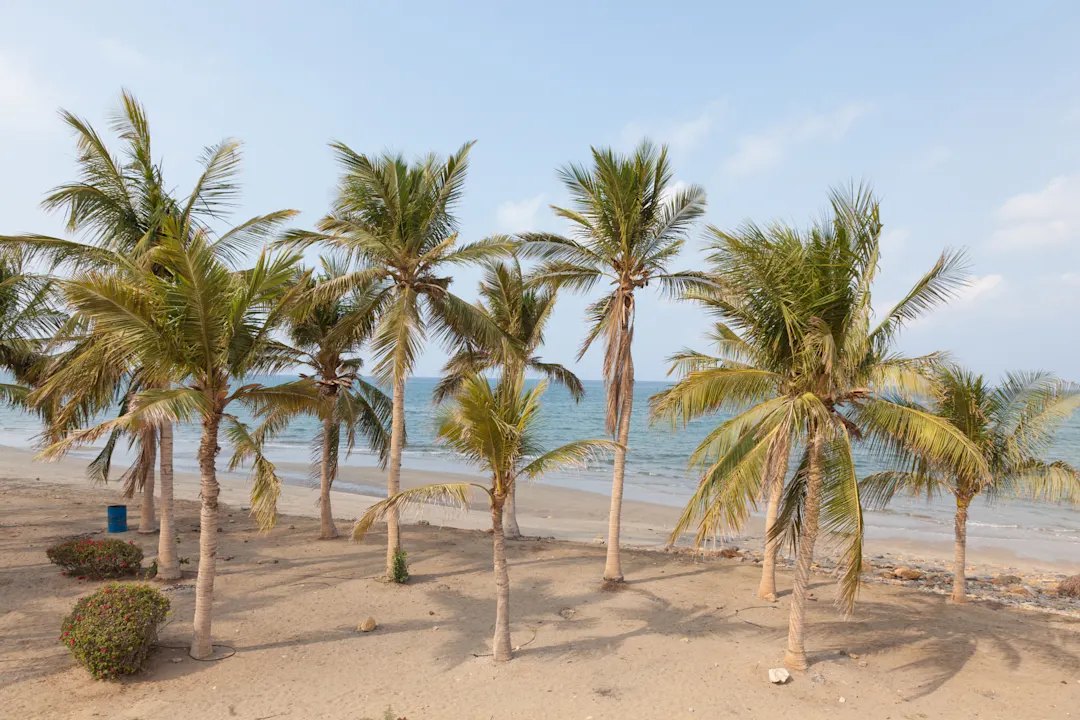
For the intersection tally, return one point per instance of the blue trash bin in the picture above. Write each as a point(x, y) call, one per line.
point(117, 518)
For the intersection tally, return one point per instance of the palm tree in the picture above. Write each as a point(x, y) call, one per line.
point(395, 220)
point(118, 204)
point(1012, 425)
point(695, 396)
point(325, 336)
point(808, 295)
point(492, 427)
point(521, 312)
point(190, 317)
point(629, 222)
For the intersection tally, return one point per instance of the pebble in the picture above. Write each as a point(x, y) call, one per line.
point(368, 625)
point(1001, 584)
point(778, 676)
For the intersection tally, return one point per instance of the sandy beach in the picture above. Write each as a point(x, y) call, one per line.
point(686, 638)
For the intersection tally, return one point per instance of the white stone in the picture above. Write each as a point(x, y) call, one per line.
point(778, 676)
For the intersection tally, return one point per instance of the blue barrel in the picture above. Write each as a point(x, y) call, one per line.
point(117, 518)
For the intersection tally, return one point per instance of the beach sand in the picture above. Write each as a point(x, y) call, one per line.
point(686, 637)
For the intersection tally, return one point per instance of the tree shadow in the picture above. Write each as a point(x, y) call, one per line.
point(945, 637)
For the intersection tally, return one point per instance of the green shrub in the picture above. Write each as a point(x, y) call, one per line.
point(96, 559)
point(111, 631)
point(400, 573)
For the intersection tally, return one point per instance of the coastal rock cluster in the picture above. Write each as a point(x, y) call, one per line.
point(1049, 592)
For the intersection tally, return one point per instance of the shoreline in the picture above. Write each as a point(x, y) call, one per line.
point(1040, 537)
point(580, 516)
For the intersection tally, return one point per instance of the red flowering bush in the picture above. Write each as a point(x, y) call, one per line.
point(111, 631)
point(97, 559)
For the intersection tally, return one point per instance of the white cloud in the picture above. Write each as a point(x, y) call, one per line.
point(894, 239)
point(673, 189)
point(981, 287)
point(969, 300)
point(761, 151)
point(1040, 219)
point(1072, 279)
point(756, 152)
point(512, 217)
point(688, 135)
point(122, 54)
point(21, 98)
point(680, 136)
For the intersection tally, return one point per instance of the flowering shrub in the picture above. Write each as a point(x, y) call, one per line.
point(96, 559)
point(111, 631)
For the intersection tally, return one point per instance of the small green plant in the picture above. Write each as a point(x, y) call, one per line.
point(400, 572)
point(185, 561)
point(111, 631)
point(388, 714)
point(96, 559)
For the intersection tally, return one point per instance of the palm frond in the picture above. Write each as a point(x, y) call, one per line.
point(574, 454)
point(455, 495)
point(265, 482)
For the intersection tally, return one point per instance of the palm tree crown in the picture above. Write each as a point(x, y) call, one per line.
point(29, 318)
point(521, 312)
point(629, 222)
point(394, 221)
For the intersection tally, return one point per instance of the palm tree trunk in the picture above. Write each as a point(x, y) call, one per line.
point(393, 479)
point(327, 471)
point(959, 592)
point(147, 523)
point(776, 466)
point(767, 588)
point(201, 643)
point(613, 566)
point(168, 567)
point(796, 654)
point(511, 529)
point(501, 645)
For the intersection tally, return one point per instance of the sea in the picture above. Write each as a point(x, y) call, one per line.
point(656, 467)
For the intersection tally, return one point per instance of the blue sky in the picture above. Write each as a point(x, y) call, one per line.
point(966, 119)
